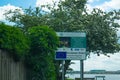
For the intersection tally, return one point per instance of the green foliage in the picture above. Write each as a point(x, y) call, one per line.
point(44, 42)
point(100, 26)
point(42, 38)
point(72, 16)
point(68, 16)
point(101, 32)
point(32, 17)
point(13, 40)
point(38, 48)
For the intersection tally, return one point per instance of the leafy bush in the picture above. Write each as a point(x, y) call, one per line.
point(42, 50)
point(13, 40)
point(38, 48)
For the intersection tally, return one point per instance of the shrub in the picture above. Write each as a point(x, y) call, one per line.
point(12, 39)
point(42, 50)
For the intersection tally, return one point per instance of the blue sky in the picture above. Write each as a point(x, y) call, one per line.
point(27, 3)
point(18, 3)
point(97, 2)
point(95, 62)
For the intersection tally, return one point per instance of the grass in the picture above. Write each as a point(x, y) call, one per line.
point(69, 79)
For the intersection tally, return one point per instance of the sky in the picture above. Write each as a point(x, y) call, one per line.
point(111, 63)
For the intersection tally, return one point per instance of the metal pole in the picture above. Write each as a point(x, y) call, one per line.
point(63, 70)
point(81, 70)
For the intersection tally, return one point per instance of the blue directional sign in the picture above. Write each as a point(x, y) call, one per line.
point(60, 55)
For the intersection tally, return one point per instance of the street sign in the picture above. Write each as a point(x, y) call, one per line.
point(75, 56)
point(70, 56)
point(72, 46)
point(72, 41)
point(82, 50)
point(71, 34)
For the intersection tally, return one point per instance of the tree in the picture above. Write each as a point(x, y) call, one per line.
point(99, 26)
point(68, 15)
point(76, 18)
point(102, 32)
point(30, 18)
point(44, 42)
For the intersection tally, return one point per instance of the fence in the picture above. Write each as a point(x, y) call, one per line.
point(9, 69)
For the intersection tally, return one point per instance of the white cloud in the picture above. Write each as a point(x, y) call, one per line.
point(5, 8)
point(91, 1)
point(45, 2)
point(107, 5)
point(99, 62)
point(113, 4)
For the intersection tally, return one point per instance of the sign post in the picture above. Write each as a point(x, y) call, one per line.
point(72, 47)
point(63, 62)
point(81, 69)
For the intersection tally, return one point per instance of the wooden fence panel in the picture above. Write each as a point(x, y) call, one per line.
point(9, 69)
